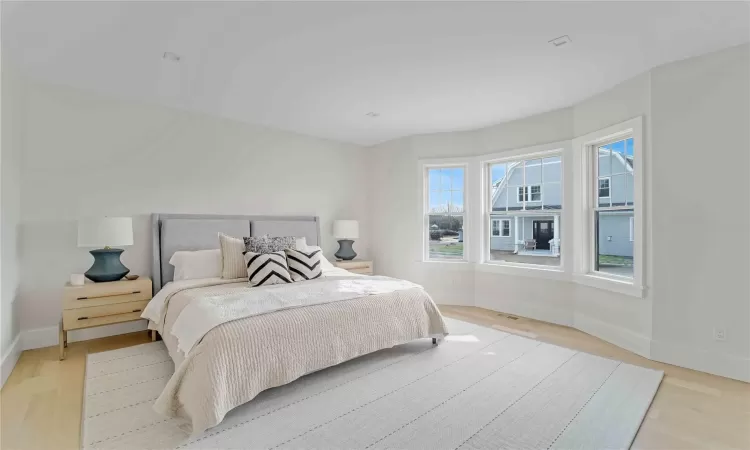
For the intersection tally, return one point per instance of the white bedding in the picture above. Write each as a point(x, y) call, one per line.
point(198, 318)
point(155, 309)
point(239, 358)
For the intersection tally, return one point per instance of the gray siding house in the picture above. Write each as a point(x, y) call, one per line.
point(527, 202)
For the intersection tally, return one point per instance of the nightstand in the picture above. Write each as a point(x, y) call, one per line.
point(97, 304)
point(355, 265)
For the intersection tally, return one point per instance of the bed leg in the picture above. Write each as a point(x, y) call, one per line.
point(434, 341)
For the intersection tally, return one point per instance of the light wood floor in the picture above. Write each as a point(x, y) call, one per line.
point(41, 401)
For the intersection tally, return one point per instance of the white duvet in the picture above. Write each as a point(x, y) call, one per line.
point(198, 318)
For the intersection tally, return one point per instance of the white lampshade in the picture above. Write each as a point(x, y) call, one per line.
point(105, 232)
point(345, 229)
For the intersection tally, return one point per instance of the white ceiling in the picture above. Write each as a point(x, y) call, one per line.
point(318, 68)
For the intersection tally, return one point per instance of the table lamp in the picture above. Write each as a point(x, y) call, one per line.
point(345, 231)
point(103, 234)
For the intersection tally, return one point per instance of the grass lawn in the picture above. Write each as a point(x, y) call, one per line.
point(612, 260)
point(446, 250)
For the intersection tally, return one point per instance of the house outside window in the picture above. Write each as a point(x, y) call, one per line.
point(527, 192)
point(614, 208)
point(444, 212)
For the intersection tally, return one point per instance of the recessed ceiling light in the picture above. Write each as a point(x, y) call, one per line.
point(372, 114)
point(562, 40)
point(169, 56)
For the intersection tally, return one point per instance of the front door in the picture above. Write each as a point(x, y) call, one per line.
point(543, 233)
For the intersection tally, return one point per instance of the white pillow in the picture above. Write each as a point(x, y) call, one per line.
point(301, 244)
point(197, 264)
point(324, 263)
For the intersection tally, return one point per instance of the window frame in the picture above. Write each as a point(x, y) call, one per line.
point(445, 163)
point(556, 149)
point(586, 199)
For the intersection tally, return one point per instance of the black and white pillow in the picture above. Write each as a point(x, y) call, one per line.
point(304, 264)
point(267, 268)
point(268, 244)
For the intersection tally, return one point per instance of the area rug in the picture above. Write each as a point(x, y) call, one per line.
point(480, 389)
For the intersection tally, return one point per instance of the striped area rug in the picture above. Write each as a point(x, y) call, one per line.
point(481, 389)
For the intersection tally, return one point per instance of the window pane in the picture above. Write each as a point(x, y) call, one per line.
point(605, 157)
point(506, 228)
point(445, 180)
point(552, 169)
point(617, 189)
point(533, 172)
point(433, 179)
point(498, 188)
point(457, 202)
point(457, 178)
point(446, 237)
point(552, 196)
point(439, 201)
point(495, 228)
point(614, 249)
point(515, 179)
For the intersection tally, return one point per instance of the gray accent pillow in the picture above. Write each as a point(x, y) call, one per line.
point(267, 244)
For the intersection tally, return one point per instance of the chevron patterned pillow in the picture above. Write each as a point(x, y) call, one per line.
point(304, 264)
point(267, 268)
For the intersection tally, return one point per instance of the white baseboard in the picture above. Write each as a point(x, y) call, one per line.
point(722, 364)
point(614, 334)
point(49, 336)
point(10, 358)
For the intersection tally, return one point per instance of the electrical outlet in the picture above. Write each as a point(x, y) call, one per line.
point(720, 334)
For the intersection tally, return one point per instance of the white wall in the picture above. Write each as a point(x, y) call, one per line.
point(701, 139)
point(86, 155)
point(10, 212)
point(692, 110)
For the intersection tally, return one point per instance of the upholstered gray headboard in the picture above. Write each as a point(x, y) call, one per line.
point(175, 232)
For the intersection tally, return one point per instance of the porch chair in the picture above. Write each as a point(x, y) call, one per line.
point(529, 244)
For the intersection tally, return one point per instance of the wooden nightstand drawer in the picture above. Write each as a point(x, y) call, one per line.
point(102, 315)
point(98, 294)
point(355, 266)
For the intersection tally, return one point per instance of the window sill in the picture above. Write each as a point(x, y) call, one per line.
point(526, 270)
point(609, 284)
point(449, 264)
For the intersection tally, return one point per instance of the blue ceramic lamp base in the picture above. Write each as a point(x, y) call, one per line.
point(345, 252)
point(107, 265)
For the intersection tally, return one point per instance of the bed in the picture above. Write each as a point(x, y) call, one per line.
point(224, 360)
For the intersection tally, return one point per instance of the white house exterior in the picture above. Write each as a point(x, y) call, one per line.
point(527, 203)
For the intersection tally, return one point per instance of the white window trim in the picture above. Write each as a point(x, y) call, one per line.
point(584, 206)
point(424, 200)
point(484, 263)
point(609, 187)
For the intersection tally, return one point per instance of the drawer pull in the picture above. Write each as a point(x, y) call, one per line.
point(108, 315)
point(108, 295)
